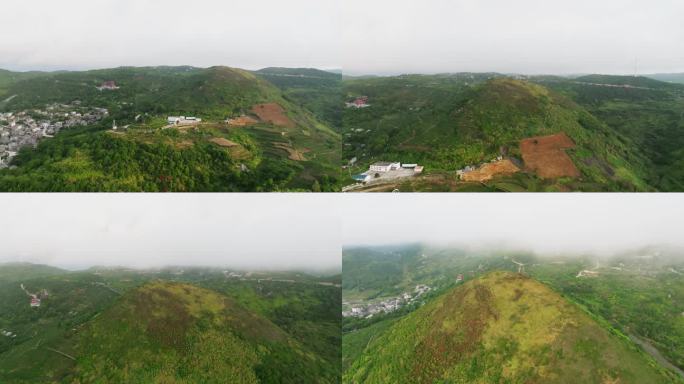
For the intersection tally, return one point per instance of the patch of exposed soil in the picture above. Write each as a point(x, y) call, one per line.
point(242, 121)
point(545, 155)
point(274, 114)
point(488, 171)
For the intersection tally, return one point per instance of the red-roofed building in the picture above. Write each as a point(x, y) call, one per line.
point(108, 85)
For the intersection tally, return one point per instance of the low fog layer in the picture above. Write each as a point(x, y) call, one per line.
point(85, 34)
point(524, 36)
point(602, 224)
point(250, 231)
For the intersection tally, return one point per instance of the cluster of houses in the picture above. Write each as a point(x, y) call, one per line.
point(232, 275)
point(389, 170)
point(587, 273)
point(359, 102)
point(8, 334)
point(27, 128)
point(108, 86)
point(182, 120)
point(388, 305)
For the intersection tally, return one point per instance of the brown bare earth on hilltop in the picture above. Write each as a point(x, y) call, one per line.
point(293, 154)
point(242, 121)
point(488, 171)
point(274, 114)
point(545, 155)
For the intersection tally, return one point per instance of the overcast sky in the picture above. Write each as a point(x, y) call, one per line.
point(260, 231)
point(360, 36)
point(522, 36)
point(546, 223)
point(250, 34)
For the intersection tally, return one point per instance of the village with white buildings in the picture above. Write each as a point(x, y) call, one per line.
point(27, 128)
point(175, 121)
point(387, 305)
point(384, 171)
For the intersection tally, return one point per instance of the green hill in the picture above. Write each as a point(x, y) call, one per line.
point(11, 272)
point(668, 77)
point(450, 121)
point(171, 332)
point(502, 327)
point(179, 325)
point(647, 115)
point(290, 149)
point(318, 91)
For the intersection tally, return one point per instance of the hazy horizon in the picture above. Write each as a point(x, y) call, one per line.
point(526, 36)
point(342, 72)
point(253, 34)
point(362, 38)
point(240, 231)
point(551, 224)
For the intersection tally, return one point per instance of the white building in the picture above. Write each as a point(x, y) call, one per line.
point(183, 120)
point(384, 166)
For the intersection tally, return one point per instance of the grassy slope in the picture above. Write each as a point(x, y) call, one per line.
point(501, 327)
point(649, 118)
point(668, 77)
point(316, 90)
point(446, 124)
point(307, 311)
point(9, 78)
point(171, 332)
point(85, 319)
point(73, 301)
point(354, 343)
point(88, 159)
point(649, 306)
point(11, 272)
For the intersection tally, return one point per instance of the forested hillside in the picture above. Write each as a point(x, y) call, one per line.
point(182, 325)
point(623, 132)
point(252, 137)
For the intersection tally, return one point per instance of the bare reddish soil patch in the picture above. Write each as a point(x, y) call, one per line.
point(545, 155)
point(274, 114)
point(242, 121)
point(488, 171)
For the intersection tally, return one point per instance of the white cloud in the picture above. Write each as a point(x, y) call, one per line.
point(274, 231)
point(603, 223)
